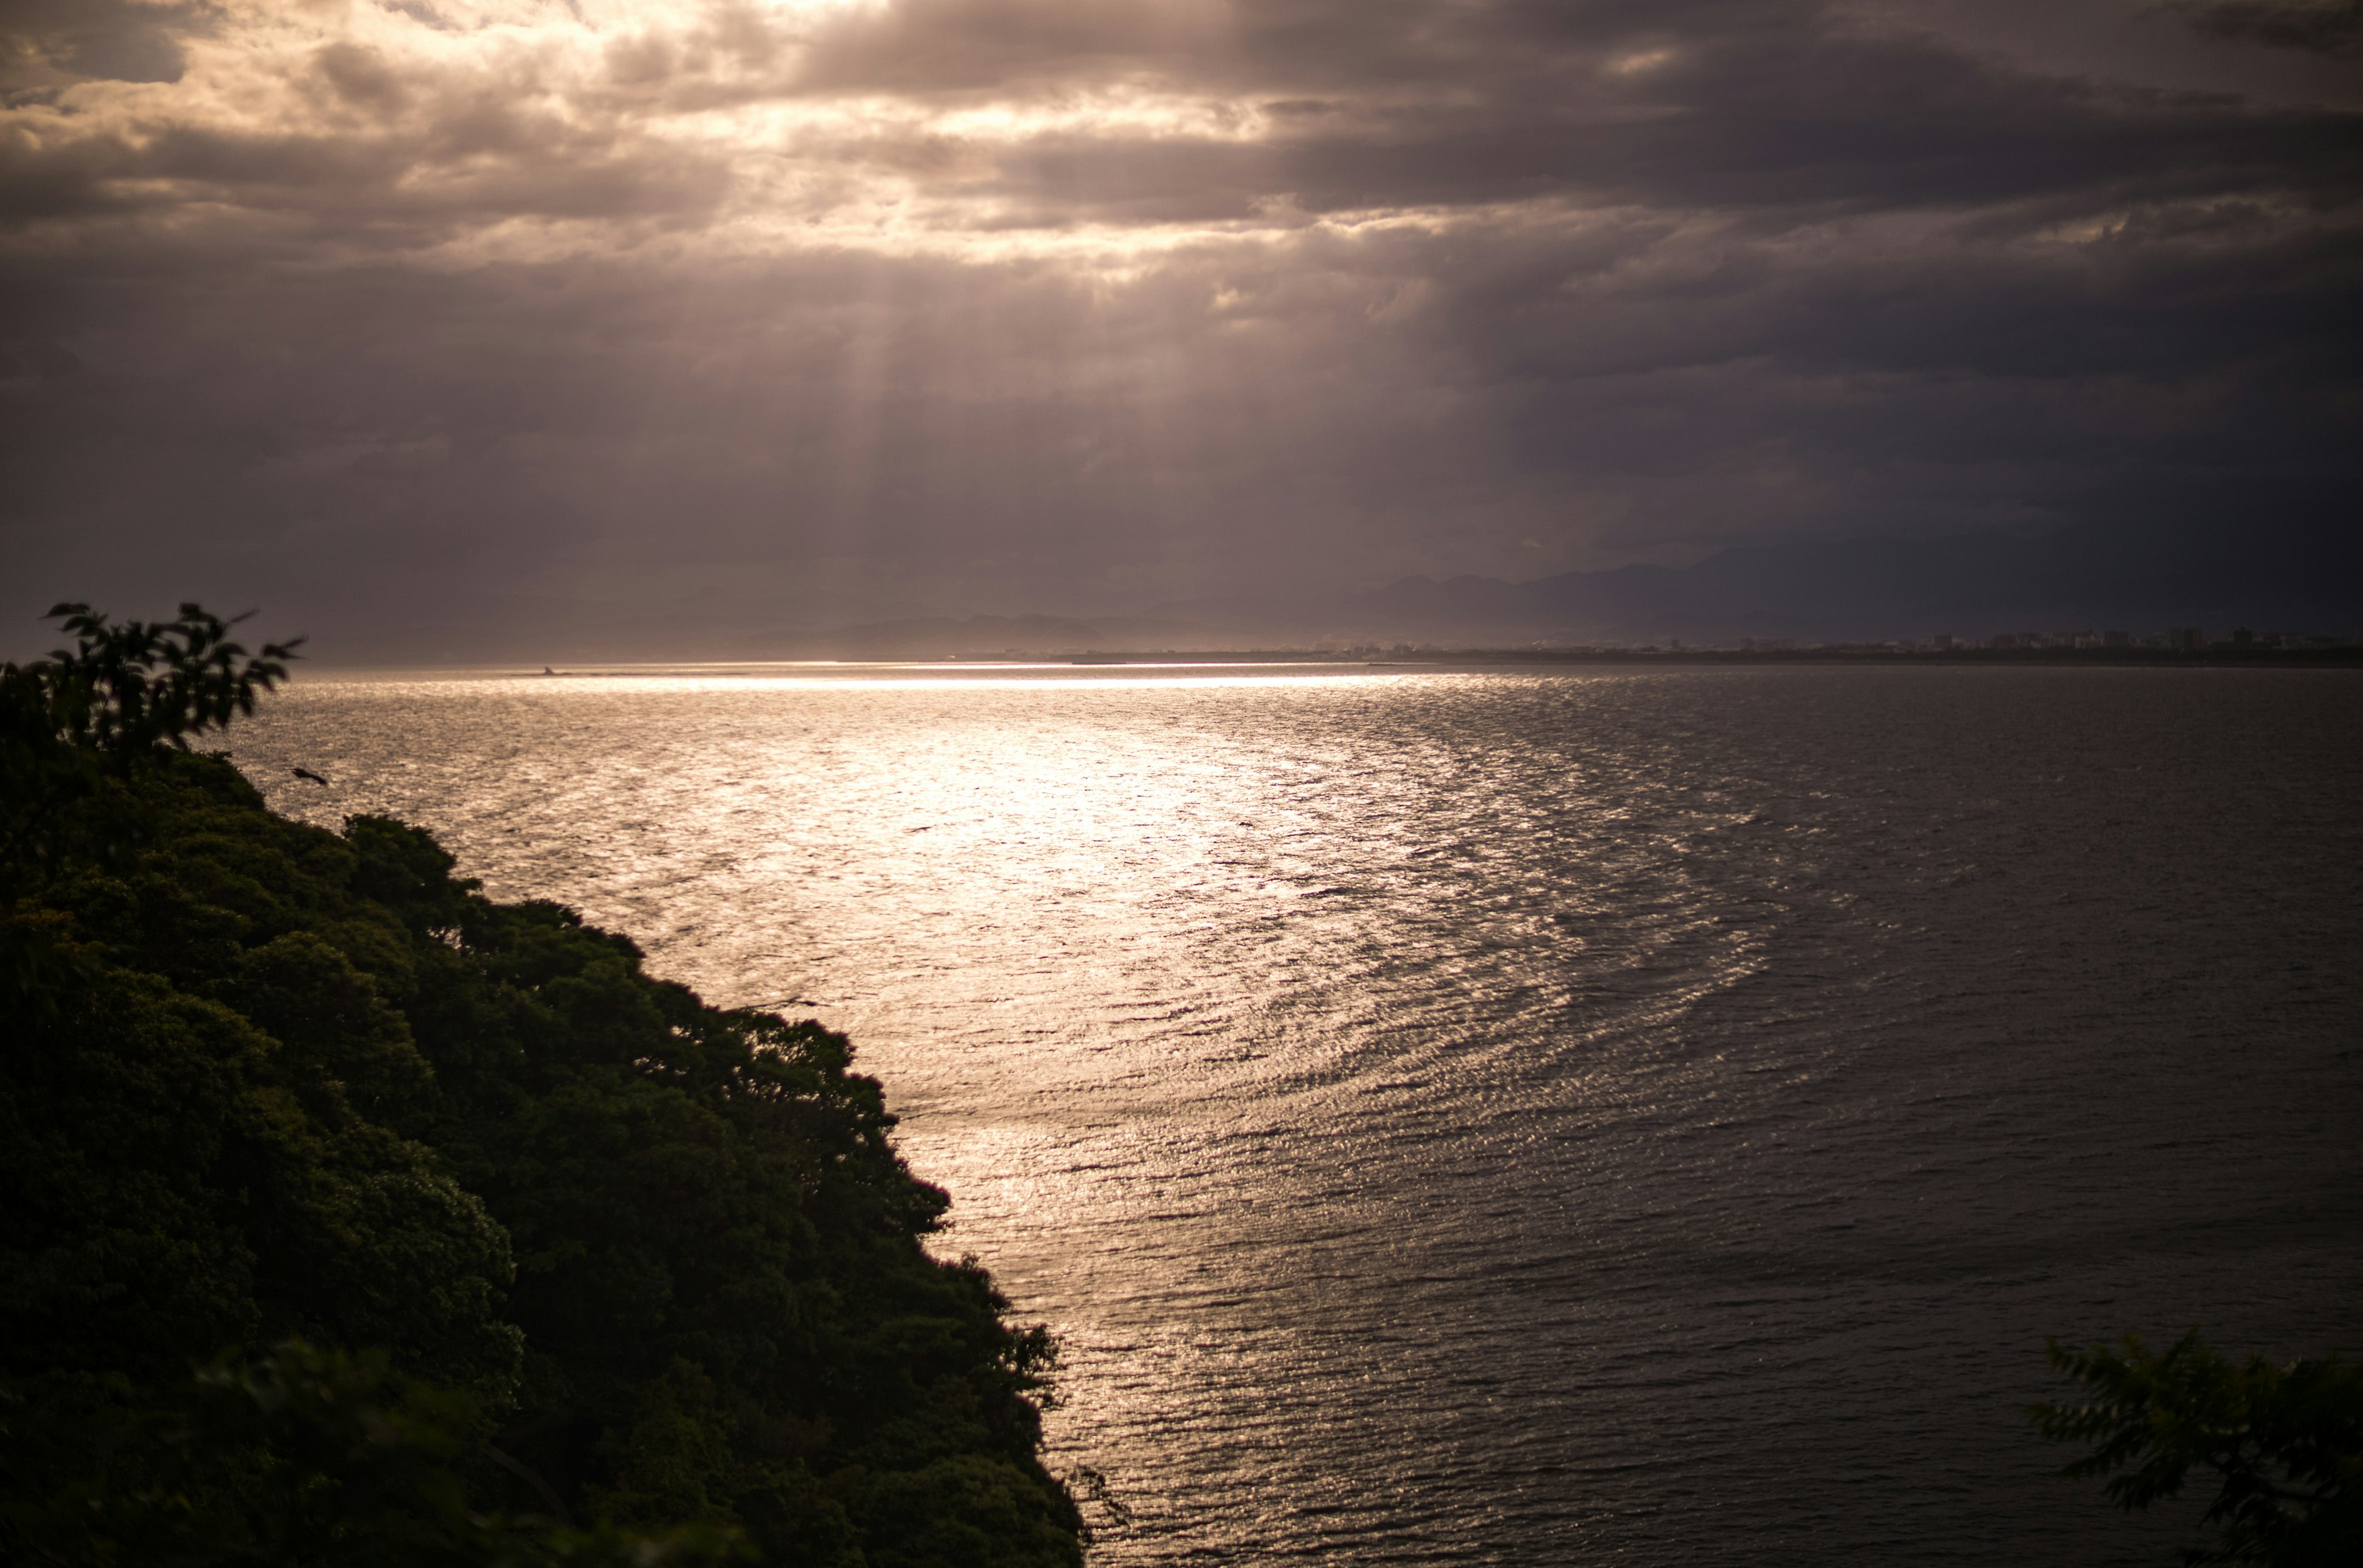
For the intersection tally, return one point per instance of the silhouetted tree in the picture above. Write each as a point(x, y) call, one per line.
point(569, 1242)
point(2283, 1442)
point(75, 725)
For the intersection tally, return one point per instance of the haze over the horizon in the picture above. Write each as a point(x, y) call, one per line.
point(449, 312)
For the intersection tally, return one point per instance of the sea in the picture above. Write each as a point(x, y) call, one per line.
point(1637, 1115)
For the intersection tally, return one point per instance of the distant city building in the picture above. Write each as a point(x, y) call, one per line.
point(2185, 638)
point(1944, 642)
point(2116, 640)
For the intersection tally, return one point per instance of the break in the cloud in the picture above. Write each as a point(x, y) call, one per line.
point(846, 308)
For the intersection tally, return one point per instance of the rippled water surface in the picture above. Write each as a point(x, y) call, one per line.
point(1650, 1115)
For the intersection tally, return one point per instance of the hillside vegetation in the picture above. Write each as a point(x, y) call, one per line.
point(352, 1217)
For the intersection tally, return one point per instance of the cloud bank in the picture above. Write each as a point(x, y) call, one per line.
point(411, 313)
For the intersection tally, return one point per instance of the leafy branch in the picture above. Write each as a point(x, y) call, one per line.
point(2286, 1443)
point(76, 723)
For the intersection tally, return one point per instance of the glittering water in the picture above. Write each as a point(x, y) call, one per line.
point(1536, 1118)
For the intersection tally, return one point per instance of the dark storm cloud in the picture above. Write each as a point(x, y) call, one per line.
point(999, 305)
point(1761, 108)
point(49, 41)
point(2320, 29)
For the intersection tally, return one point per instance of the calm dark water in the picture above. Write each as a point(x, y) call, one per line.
point(1533, 1118)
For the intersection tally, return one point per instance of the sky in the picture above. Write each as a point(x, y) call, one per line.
point(417, 317)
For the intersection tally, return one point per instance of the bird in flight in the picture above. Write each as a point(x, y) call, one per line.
point(308, 774)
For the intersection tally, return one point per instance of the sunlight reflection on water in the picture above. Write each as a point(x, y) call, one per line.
point(1519, 1118)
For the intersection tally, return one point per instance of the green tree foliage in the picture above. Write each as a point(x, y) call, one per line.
point(73, 726)
point(265, 1085)
point(301, 1456)
point(2285, 1443)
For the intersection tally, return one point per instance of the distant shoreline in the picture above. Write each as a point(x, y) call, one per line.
point(2349, 656)
point(2223, 656)
point(2170, 658)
